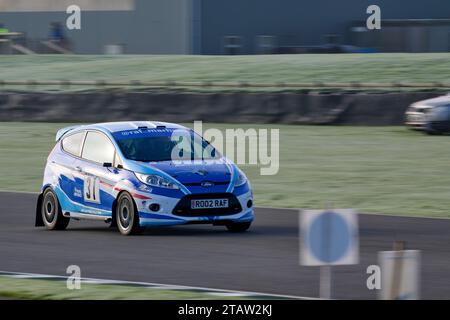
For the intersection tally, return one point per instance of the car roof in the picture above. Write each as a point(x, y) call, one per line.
point(132, 125)
point(113, 127)
point(434, 102)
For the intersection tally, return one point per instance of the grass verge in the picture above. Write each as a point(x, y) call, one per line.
point(392, 67)
point(40, 289)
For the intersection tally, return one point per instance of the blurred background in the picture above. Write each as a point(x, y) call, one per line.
point(338, 92)
point(231, 27)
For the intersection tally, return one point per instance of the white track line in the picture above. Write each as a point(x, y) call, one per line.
point(296, 210)
point(152, 285)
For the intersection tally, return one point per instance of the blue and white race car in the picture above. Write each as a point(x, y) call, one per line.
point(138, 174)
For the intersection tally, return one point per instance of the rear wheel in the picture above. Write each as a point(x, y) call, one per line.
point(127, 216)
point(51, 212)
point(238, 226)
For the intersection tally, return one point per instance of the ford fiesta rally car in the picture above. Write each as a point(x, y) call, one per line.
point(138, 174)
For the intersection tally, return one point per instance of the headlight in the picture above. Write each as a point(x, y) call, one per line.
point(155, 180)
point(241, 179)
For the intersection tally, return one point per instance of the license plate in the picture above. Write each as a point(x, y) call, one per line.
point(209, 203)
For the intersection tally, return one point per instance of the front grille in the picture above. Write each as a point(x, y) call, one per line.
point(183, 208)
point(199, 184)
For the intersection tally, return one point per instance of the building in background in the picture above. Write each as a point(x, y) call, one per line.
point(232, 26)
point(404, 35)
point(107, 26)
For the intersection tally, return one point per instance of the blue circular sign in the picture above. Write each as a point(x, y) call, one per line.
point(329, 237)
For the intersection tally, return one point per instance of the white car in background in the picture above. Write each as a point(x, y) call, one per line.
point(419, 114)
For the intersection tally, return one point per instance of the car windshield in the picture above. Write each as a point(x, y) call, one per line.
point(440, 113)
point(166, 146)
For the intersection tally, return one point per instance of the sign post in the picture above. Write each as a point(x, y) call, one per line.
point(325, 282)
point(328, 238)
point(400, 274)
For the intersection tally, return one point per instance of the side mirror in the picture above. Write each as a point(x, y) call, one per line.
point(107, 164)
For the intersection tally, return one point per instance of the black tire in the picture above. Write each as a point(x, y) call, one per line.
point(127, 216)
point(52, 215)
point(112, 224)
point(238, 226)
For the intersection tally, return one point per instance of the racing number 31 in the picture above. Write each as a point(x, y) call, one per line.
point(91, 189)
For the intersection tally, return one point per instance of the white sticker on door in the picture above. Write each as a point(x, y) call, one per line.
point(92, 189)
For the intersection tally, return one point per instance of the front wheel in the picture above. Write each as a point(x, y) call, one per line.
point(238, 226)
point(127, 216)
point(51, 212)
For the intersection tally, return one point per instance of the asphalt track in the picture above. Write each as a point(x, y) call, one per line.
point(265, 259)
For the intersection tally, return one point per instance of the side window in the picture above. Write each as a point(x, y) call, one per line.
point(72, 143)
point(98, 148)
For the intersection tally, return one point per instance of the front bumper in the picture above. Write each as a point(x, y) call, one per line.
point(415, 120)
point(173, 212)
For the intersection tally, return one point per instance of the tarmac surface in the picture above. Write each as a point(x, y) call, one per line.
point(265, 259)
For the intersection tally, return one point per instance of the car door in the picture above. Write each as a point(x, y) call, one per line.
point(100, 175)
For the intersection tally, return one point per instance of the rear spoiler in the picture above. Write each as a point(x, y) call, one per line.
point(63, 131)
